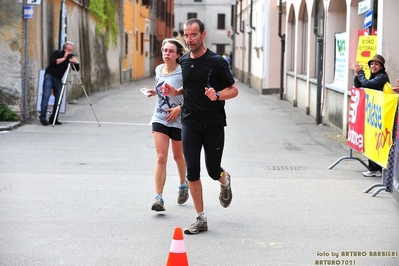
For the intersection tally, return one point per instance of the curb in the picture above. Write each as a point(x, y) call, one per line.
point(7, 126)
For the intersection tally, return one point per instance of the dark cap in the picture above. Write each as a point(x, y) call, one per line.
point(378, 58)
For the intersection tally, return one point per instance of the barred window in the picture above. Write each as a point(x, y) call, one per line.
point(221, 21)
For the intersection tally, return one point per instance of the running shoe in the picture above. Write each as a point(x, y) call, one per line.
point(226, 195)
point(158, 204)
point(372, 173)
point(200, 225)
point(182, 196)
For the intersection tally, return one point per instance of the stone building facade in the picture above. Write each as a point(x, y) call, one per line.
point(100, 62)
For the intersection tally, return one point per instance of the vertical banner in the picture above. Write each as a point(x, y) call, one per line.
point(340, 60)
point(380, 111)
point(356, 119)
point(52, 98)
point(63, 25)
point(366, 49)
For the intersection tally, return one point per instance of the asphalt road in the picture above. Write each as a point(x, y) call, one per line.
point(81, 193)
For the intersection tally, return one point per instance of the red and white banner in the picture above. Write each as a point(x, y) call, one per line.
point(356, 119)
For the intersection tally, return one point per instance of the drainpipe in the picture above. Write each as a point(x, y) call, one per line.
point(319, 69)
point(242, 26)
point(282, 37)
point(249, 58)
point(250, 15)
point(235, 21)
point(234, 39)
point(63, 25)
point(250, 45)
point(122, 38)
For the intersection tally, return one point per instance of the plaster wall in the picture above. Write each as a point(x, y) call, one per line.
point(100, 65)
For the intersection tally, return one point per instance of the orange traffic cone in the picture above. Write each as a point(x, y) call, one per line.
point(177, 254)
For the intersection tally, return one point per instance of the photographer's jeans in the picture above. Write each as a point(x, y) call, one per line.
point(50, 83)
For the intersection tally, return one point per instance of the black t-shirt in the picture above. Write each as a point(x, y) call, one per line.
point(55, 70)
point(209, 70)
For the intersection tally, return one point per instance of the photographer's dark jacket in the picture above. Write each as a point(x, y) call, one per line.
point(57, 71)
point(375, 82)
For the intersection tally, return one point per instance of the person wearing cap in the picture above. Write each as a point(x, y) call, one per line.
point(377, 80)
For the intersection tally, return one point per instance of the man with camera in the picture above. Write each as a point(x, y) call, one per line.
point(59, 61)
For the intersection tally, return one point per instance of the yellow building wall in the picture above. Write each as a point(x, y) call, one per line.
point(139, 55)
point(136, 19)
point(128, 24)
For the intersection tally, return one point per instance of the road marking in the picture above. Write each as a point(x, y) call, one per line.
point(108, 123)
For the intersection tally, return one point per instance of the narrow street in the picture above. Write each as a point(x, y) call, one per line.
point(81, 194)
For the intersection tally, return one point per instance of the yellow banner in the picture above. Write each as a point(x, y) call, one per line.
point(380, 109)
point(366, 49)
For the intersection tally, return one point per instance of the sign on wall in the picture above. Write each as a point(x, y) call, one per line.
point(368, 19)
point(364, 6)
point(34, 2)
point(366, 49)
point(28, 12)
point(340, 60)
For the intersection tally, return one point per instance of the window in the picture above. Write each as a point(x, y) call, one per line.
point(168, 19)
point(152, 44)
point(291, 35)
point(163, 11)
point(126, 44)
point(137, 41)
point(221, 21)
point(142, 43)
point(220, 49)
point(292, 45)
point(304, 45)
point(84, 3)
point(146, 3)
point(191, 15)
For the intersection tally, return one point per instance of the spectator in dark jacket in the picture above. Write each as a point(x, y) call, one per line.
point(377, 80)
point(59, 62)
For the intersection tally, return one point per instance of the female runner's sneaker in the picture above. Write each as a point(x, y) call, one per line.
point(158, 204)
point(182, 197)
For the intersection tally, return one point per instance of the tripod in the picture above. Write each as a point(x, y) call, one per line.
point(64, 82)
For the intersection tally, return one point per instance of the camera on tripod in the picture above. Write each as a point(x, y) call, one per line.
point(71, 55)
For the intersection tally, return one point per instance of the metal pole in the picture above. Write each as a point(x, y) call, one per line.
point(62, 29)
point(249, 58)
point(282, 37)
point(282, 68)
point(319, 76)
point(26, 72)
point(319, 69)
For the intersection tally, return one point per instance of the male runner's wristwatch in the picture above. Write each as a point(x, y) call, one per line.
point(217, 96)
